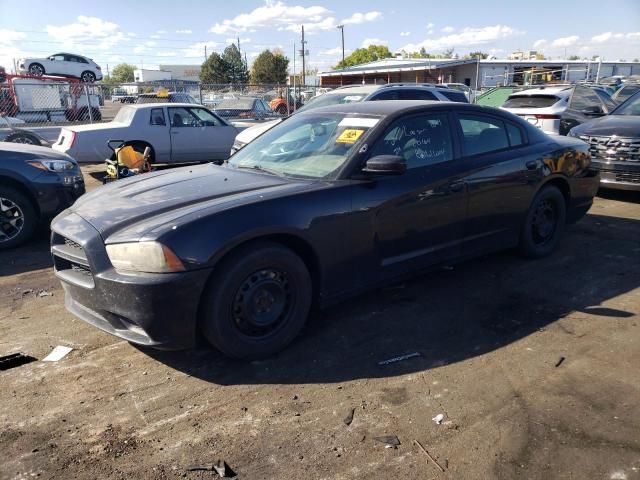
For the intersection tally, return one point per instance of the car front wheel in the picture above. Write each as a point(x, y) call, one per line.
point(18, 218)
point(544, 223)
point(88, 77)
point(36, 69)
point(257, 301)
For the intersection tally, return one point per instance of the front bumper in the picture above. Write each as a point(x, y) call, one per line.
point(158, 310)
point(55, 192)
point(618, 175)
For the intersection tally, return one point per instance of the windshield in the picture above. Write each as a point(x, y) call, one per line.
point(630, 107)
point(125, 115)
point(308, 146)
point(332, 99)
point(530, 101)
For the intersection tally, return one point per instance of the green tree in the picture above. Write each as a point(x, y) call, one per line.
point(236, 68)
point(269, 67)
point(573, 57)
point(121, 73)
point(215, 70)
point(448, 53)
point(540, 56)
point(480, 54)
point(365, 55)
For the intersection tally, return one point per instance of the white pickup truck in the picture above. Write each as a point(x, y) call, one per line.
point(176, 133)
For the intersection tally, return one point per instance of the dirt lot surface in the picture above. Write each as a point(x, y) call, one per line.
point(533, 364)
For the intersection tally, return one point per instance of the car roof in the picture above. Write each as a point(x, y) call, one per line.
point(353, 89)
point(563, 91)
point(139, 106)
point(389, 107)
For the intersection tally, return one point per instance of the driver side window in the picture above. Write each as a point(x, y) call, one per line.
point(422, 140)
point(180, 117)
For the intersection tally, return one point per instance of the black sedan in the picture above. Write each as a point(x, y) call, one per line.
point(614, 142)
point(36, 183)
point(244, 108)
point(320, 207)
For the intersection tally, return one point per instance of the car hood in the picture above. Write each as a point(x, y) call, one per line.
point(21, 150)
point(126, 209)
point(620, 125)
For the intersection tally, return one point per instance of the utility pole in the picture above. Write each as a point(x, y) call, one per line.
point(341, 27)
point(303, 52)
point(205, 53)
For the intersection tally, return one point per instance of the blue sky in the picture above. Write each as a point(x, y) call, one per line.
point(160, 32)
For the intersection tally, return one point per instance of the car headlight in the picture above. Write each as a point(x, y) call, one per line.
point(53, 165)
point(148, 257)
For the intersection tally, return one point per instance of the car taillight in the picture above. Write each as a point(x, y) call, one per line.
point(73, 139)
point(543, 116)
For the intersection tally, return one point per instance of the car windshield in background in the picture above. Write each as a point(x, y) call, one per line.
point(309, 145)
point(332, 99)
point(124, 115)
point(626, 92)
point(530, 101)
point(236, 104)
point(630, 107)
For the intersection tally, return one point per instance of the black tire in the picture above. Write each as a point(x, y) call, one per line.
point(544, 223)
point(23, 137)
point(13, 205)
point(36, 69)
point(88, 77)
point(275, 283)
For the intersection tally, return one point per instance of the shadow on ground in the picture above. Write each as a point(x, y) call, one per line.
point(446, 316)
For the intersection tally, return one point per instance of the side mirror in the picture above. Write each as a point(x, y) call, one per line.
point(593, 110)
point(386, 165)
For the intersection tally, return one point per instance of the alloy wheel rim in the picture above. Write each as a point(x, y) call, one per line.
point(262, 303)
point(36, 70)
point(544, 222)
point(25, 140)
point(11, 220)
point(87, 77)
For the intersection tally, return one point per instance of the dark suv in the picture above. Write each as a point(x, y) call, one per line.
point(614, 143)
point(163, 97)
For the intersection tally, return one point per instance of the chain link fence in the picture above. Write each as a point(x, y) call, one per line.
point(42, 106)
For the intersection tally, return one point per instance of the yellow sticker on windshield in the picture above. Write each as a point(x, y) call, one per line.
point(350, 135)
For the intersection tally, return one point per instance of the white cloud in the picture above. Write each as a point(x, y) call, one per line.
point(184, 32)
point(405, 34)
point(565, 41)
point(197, 49)
point(633, 35)
point(467, 37)
point(328, 23)
point(155, 36)
point(234, 40)
point(605, 37)
point(144, 47)
point(540, 43)
point(8, 37)
point(161, 32)
point(447, 29)
point(167, 54)
point(274, 14)
point(430, 25)
point(332, 52)
point(358, 18)
point(373, 41)
point(429, 32)
point(87, 29)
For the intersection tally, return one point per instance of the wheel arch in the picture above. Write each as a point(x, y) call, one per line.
point(22, 188)
point(562, 184)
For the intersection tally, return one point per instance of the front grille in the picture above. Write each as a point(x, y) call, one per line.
point(70, 261)
point(613, 149)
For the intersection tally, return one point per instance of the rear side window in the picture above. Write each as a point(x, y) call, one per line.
point(530, 101)
point(387, 95)
point(157, 116)
point(583, 98)
point(514, 134)
point(482, 134)
point(455, 96)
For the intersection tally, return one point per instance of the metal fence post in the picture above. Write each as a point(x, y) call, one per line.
point(89, 106)
point(200, 92)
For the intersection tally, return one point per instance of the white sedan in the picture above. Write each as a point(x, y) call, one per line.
point(64, 65)
point(176, 133)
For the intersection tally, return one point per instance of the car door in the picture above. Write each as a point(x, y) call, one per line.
point(158, 134)
point(71, 66)
point(56, 65)
point(417, 217)
point(198, 135)
point(584, 105)
point(501, 171)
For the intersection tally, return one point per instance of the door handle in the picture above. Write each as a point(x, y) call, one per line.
point(532, 164)
point(456, 186)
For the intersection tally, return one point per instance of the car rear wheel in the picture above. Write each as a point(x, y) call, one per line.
point(36, 69)
point(88, 77)
point(23, 137)
point(257, 301)
point(544, 223)
point(18, 218)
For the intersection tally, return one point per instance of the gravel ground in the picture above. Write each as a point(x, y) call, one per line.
point(533, 364)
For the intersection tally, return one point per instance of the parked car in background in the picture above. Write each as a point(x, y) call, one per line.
point(239, 252)
point(63, 65)
point(122, 96)
point(614, 144)
point(244, 108)
point(468, 91)
point(626, 91)
point(12, 130)
point(36, 183)
point(557, 109)
point(176, 133)
point(164, 96)
point(361, 93)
